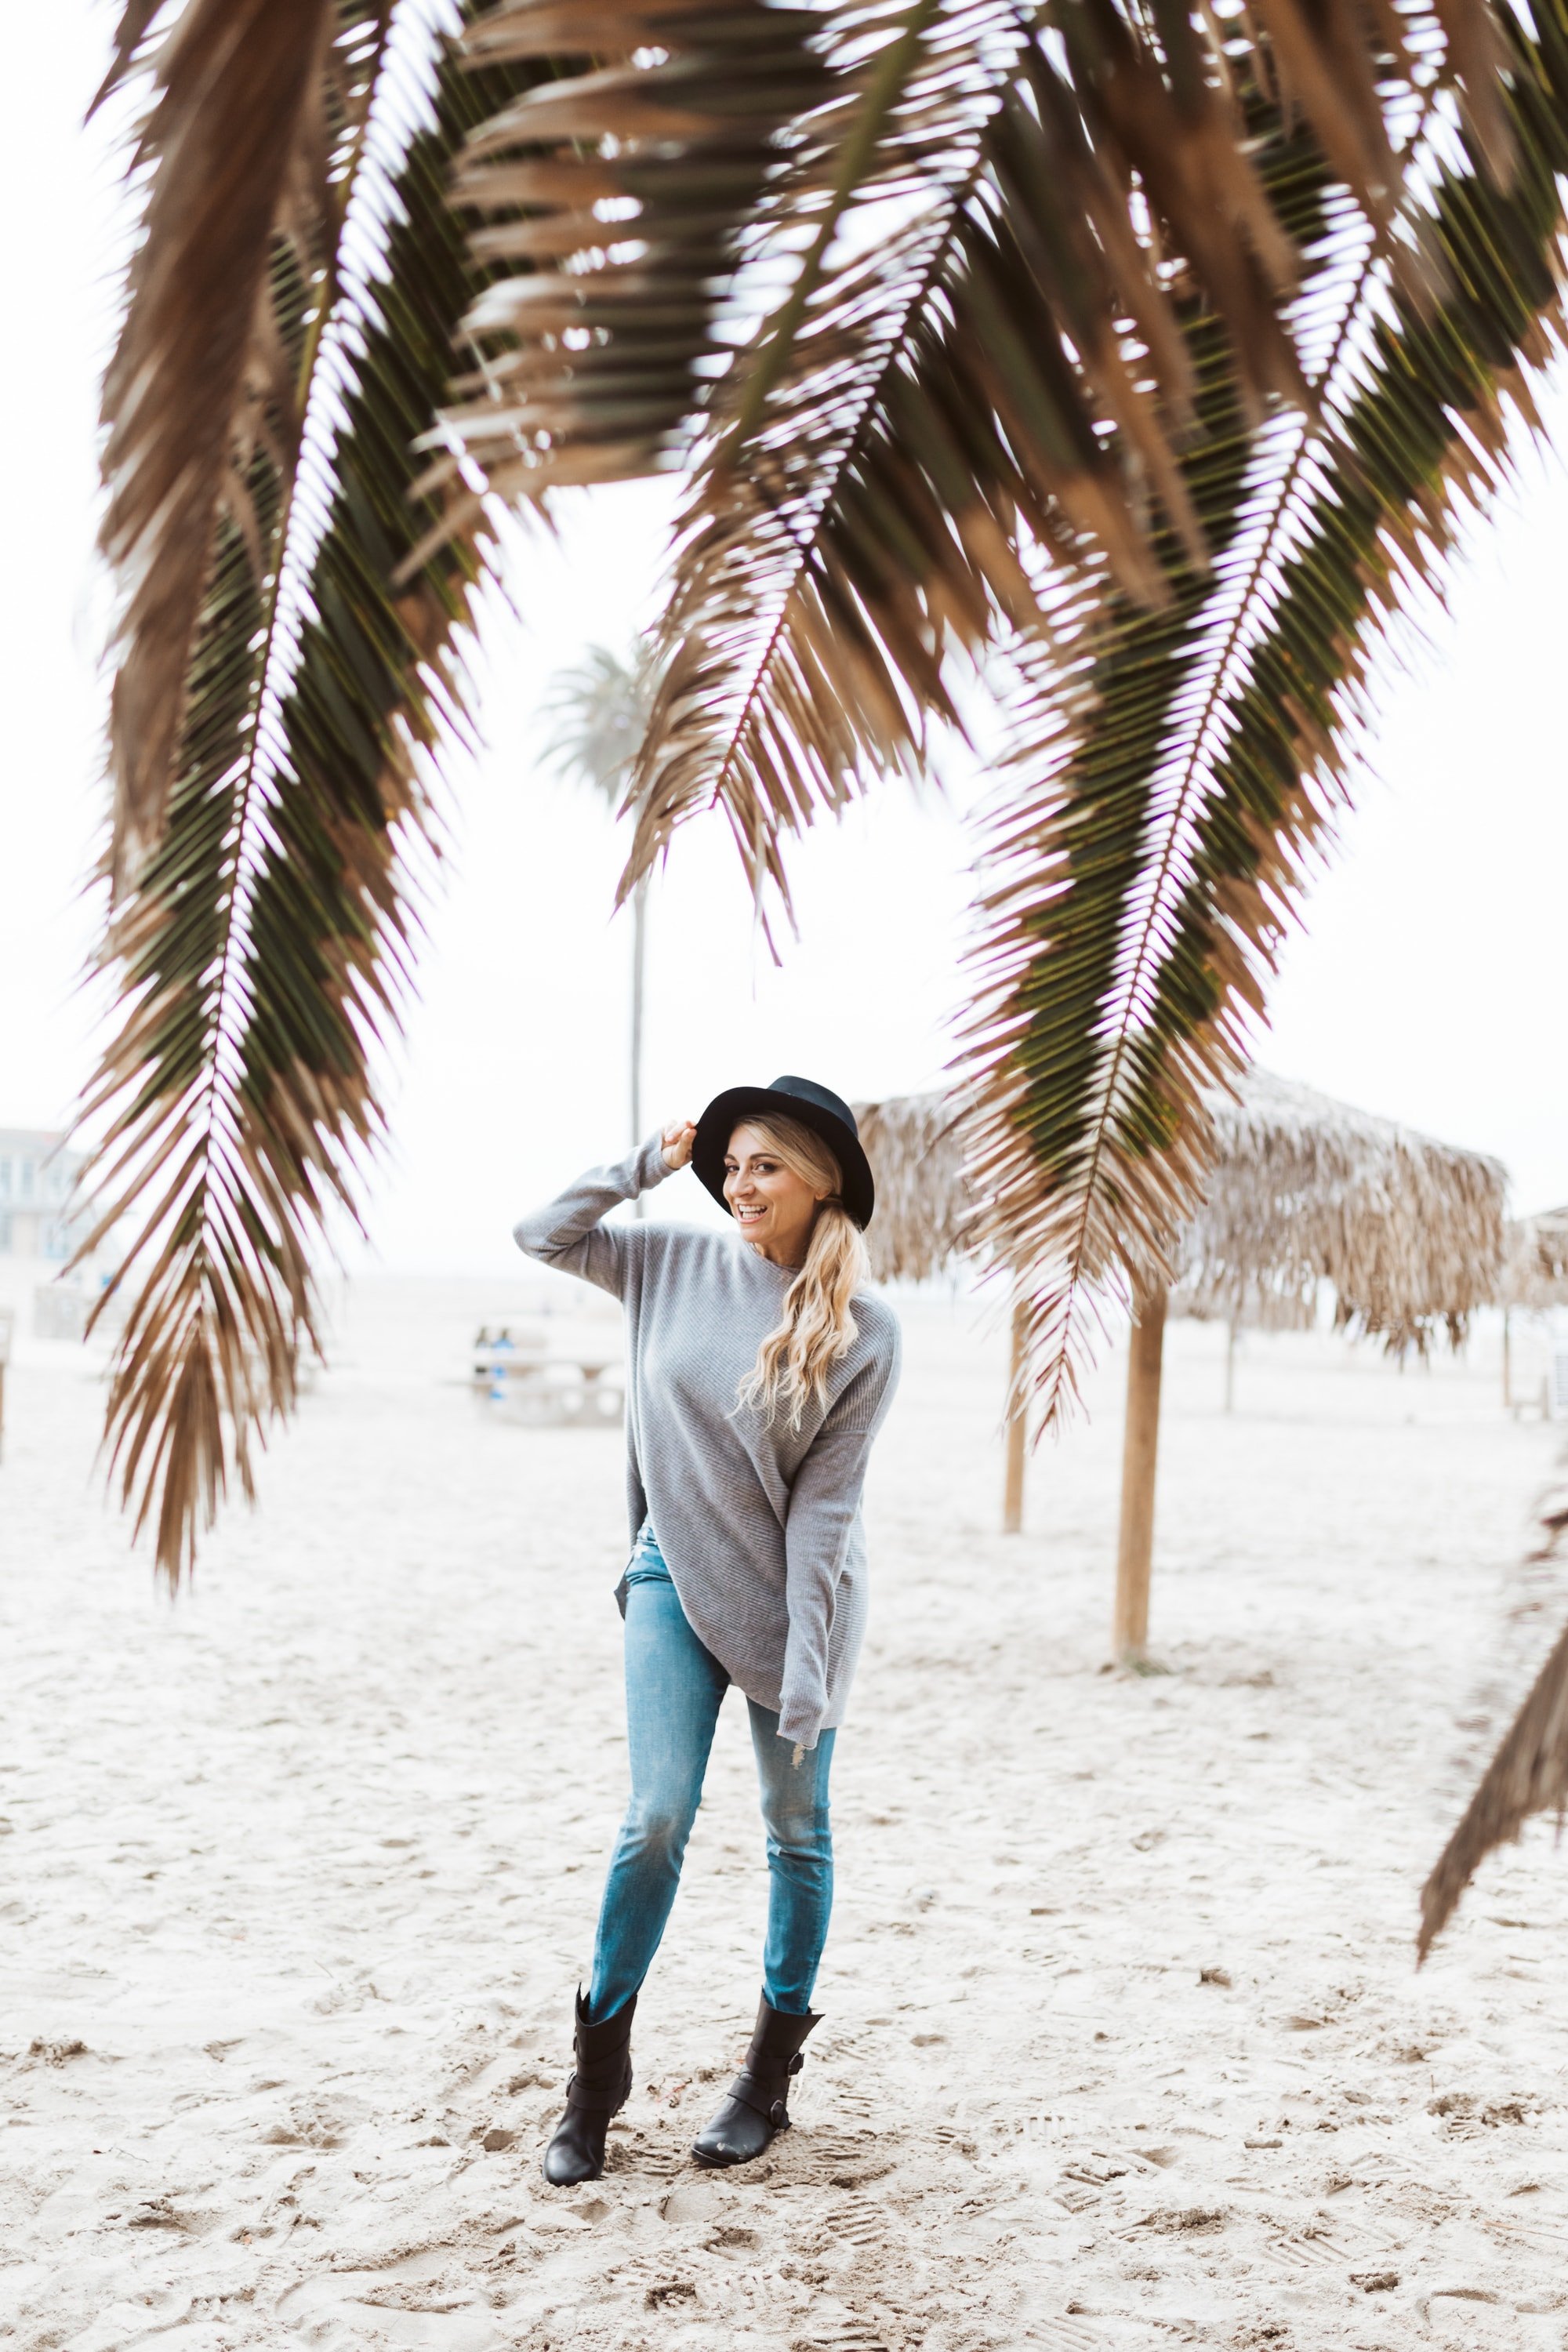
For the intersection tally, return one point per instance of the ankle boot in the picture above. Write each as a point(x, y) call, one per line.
point(755, 2108)
point(599, 2090)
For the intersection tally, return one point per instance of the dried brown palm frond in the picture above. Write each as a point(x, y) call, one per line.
point(1528, 1775)
point(249, 151)
point(261, 939)
point(915, 1144)
point(1304, 1190)
point(983, 378)
point(1535, 1261)
point(1151, 851)
point(626, 183)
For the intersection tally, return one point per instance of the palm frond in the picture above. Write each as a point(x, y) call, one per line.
point(972, 405)
point(261, 947)
point(626, 183)
point(1528, 1775)
point(1149, 872)
point(249, 153)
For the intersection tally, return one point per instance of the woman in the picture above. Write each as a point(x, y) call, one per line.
point(757, 1377)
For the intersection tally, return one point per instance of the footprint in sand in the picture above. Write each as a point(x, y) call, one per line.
point(731, 2239)
point(665, 2293)
point(1065, 2335)
point(845, 2159)
point(858, 2224)
point(1309, 2252)
point(842, 2336)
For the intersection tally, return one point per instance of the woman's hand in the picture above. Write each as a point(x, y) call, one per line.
point(678, 1139)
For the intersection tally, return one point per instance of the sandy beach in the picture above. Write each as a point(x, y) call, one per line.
point(1122, 2044)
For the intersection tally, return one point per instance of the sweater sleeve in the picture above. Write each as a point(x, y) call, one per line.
point(824, 1502)
point(569, 1231)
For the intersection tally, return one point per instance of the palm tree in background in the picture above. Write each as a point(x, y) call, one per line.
point(598, 712)
point(1128, 360)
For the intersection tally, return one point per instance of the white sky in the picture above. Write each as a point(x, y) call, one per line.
point(1430, 982)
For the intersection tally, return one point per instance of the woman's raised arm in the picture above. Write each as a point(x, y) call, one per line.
point(569, 1231)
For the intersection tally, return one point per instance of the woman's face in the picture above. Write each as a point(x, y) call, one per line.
point(774, 1207)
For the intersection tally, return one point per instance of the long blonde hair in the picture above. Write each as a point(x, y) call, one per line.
point(818, 1327)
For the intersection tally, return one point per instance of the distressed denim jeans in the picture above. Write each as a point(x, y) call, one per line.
point(675, 1687)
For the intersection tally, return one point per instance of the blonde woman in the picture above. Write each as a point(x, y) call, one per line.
point(758, 1372)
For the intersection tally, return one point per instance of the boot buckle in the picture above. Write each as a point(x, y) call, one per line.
point(778, 2114)
point(797, 2063)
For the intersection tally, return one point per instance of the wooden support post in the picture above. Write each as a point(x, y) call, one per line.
point(1017, 1426)
point(1140, 1454)
point(1230, 1366)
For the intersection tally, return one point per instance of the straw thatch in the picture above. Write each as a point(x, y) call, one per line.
point(1305, 1190)
point(1535, 1261)
point(1528, 1775)
point(924, 1212)
point(1408, 1232)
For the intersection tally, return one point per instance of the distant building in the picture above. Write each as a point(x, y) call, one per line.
point(38, 1217)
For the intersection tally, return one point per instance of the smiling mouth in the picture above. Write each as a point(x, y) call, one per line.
point(747, 1216)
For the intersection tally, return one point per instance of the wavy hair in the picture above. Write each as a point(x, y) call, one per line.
point(818, 1328)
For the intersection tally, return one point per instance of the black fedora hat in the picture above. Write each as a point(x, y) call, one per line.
point(818, 1108)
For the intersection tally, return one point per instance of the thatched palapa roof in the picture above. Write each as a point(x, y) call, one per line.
point(915, 1146)
point(1535, 1261)
point(1409, 1232)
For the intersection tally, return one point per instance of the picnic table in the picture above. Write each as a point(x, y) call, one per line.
point(516, 1372)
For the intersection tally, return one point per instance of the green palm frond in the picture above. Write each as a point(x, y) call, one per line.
point(973, 405)
point(250, 153)
point(262, 946)
point(1148, 873)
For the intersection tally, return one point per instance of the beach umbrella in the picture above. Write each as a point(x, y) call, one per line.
point(1535, 1261)
point(1408, 1232)
point(926, 1222)
point(925, 1219)
point(1534, 1276)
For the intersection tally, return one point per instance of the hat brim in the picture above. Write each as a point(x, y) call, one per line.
point(726, 1112)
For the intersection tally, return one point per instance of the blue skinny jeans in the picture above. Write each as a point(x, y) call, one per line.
point(675, 1687)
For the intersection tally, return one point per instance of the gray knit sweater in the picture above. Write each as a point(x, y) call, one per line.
point(760, 1527)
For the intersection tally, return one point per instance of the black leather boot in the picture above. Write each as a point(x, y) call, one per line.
point(755, 2108)
point(598, 2089)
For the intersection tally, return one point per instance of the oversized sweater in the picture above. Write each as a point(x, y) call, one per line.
point(759, 1524)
